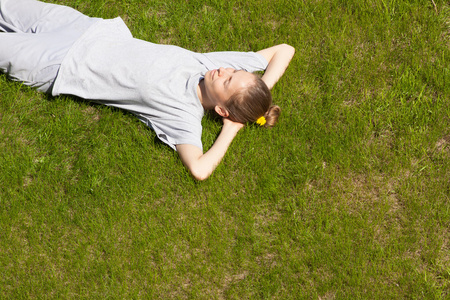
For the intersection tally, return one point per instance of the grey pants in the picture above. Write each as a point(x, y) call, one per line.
point(34, 39)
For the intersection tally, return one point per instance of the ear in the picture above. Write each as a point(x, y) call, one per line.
point(221, 111)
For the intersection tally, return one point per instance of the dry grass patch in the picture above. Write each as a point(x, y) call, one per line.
point(229, 280)
point(443, 145)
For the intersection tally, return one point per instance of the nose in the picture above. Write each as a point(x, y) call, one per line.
point(223, 71)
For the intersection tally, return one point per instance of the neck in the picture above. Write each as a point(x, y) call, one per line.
point(204, 99)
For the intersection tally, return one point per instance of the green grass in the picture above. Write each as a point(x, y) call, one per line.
point(347, 197)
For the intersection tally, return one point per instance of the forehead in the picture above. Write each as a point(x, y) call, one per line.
point(241, 78)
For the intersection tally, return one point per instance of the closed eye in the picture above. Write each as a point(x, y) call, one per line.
point(226, 82)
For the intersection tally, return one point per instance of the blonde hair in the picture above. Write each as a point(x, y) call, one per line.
point(249, 104)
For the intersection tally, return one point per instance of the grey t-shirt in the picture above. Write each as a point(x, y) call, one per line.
point(158, 83)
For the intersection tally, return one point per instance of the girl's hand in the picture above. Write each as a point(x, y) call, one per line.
point(236, 125)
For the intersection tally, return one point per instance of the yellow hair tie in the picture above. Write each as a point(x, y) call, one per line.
point(261, 121)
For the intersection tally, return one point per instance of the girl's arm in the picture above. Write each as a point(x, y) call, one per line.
point(278, 57)
point(200, 164)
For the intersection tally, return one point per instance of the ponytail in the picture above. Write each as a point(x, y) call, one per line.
point(272, 115)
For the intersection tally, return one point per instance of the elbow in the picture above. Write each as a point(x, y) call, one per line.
point(195, 162)
point(199, 174)
point(200, 177)
point(289, 49)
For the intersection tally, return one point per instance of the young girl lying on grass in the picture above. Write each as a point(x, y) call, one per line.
point(58, 50)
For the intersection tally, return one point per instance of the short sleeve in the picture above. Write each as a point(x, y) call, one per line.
point(249, 61)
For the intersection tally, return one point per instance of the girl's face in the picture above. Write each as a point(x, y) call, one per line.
point(221, 84)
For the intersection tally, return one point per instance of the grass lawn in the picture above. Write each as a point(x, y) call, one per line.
point(347, 197)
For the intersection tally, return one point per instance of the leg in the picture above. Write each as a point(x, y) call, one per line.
point(31, 59)
point(31, 16)
point(36, 39)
